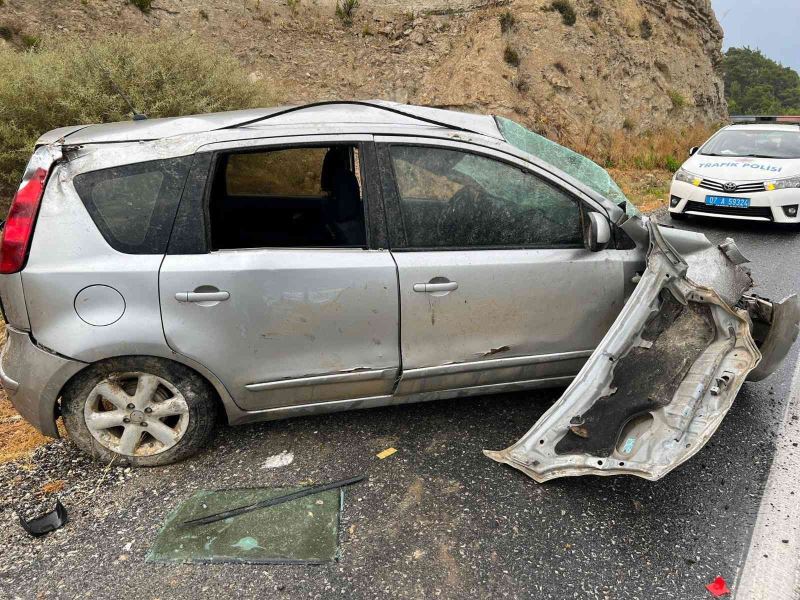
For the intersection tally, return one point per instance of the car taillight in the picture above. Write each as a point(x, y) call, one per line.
point(18, 230)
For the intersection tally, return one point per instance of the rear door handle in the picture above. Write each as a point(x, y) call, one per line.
point(450, 286)
point(202, 296)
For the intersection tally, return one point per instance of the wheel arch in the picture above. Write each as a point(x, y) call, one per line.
point(222, 396)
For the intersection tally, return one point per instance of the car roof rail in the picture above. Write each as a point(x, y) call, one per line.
point(371, 104)
point(767, 119)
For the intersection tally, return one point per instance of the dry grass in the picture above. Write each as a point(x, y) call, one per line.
point(664, 149)
point(17, 438)
point(630, 13)
point(53, 487)
point(642, 163)
point(648, 190)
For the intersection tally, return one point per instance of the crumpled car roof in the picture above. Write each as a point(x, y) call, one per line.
point(368, 111)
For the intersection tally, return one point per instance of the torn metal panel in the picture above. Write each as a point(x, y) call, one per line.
point(780, 321)
point(661, 381)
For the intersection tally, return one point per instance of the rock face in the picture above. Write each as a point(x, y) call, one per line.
point(624, 64)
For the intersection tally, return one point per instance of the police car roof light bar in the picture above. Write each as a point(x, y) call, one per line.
point(755, 119)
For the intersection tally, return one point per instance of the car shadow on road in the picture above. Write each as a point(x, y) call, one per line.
point(721, 226)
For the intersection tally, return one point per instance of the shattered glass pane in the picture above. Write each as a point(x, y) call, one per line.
point(305, 530)
point(451, 198)
point(578, 166)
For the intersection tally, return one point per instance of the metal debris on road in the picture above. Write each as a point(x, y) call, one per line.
point(386, 453)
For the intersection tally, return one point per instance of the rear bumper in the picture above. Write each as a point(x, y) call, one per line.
point(33, 379)
point(764, 206)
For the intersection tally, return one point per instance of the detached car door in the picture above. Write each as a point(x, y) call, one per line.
point(269, 280)
point(495, 284)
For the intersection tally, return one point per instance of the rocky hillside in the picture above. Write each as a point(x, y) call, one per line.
point(570, 68)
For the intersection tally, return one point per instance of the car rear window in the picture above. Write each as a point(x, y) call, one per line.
point(134, 205)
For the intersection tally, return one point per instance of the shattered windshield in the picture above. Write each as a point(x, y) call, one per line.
point(578, 166)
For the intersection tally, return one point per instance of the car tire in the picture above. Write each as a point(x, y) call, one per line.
point(678, 216)
point(139, 411)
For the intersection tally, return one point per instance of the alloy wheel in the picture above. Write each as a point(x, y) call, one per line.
point(136, 414)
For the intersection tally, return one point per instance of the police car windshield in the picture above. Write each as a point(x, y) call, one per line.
point(758, 144)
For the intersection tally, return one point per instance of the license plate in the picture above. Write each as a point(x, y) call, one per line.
point(727, 201)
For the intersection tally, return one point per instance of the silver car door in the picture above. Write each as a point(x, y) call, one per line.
point(490, 294)
point(269, 280)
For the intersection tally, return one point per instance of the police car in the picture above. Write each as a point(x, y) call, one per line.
point(749, 171)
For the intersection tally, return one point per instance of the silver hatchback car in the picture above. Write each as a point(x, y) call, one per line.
point(160, 275)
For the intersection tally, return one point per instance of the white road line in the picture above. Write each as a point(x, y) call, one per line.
point(771, 570)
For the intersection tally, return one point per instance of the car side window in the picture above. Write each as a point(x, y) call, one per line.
point(455, 199)
point(134, 205)
point(304, 197)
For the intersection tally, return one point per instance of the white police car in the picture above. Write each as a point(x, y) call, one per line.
point(749, 170)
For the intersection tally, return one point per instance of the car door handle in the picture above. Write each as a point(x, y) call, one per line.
point(429, 288)
point(202, 296)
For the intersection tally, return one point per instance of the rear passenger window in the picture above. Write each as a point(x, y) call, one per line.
point(302, 197)
point(292, 172)
point(134, 206)
point(455, 199)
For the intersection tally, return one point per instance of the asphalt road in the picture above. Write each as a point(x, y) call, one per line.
point(436, 519)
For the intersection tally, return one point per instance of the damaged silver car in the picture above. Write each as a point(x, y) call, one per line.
point(159, 275)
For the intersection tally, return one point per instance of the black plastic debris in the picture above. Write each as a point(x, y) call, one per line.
point(44, 524)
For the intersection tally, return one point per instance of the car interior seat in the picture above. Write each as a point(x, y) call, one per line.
point(345, 210)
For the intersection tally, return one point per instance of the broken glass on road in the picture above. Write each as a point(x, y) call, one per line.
point(303, 531)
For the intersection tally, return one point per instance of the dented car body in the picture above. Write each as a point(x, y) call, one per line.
point(662, 380)
point(301, 260)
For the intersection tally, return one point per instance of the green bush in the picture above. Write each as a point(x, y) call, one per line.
point(507, 21)
point(142, 5)
point(69, 82)
point(628, 124)
point(645, 29)
point(672, 164)
point(511, 56)
point(677, 99)
point(345, 10)
point(31, 42)
point(567, 11)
